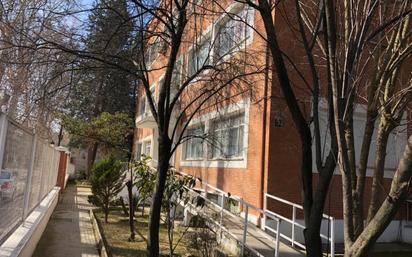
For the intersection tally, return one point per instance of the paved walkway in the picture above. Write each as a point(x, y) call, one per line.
point(69, 232)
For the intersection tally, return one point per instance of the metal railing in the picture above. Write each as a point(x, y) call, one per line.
point(294, 224)
point(28, 172)
point(245, 221)
point(267, 214)
point(408, 206)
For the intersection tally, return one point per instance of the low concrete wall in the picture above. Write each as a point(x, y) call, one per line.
point(101, 242)
point(391, 234)
point(23, 241)
point(407, 234)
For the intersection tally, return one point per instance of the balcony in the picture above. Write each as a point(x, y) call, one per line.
point(145, 120)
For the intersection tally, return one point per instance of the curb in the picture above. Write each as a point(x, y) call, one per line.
point(102, 245)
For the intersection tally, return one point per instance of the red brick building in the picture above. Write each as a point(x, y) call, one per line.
point(260, 147)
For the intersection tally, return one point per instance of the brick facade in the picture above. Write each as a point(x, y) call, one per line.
point(273, 152)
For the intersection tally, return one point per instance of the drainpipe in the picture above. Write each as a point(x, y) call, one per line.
point(266, 97)
point(264, 123)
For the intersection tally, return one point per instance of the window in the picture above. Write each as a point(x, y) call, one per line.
point(154, 49)
point(142, 105)
point(396, 141)
point(147, 145)
point(198, 57)
point(154, 96)
point(138, 151)
point(193, 147)
point(227, 137)
point(177, 74)
point(231, 32)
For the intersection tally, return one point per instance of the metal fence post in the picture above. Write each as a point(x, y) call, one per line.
point(222, 206)
point(3, 135)
point(332, 237)
point(245, 230)
point(277, 238)
point(42, 171)
point(293, 225)
point(263, 225)
point(29, 179)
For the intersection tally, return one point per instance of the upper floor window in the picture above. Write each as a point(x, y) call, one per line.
point(227, 136)
point(193, 146)
point(142, 105)
point(198, 57)
point(177, 74)
point(232, 31)
point(146, 148)
point(154, 49)
point(138, 151)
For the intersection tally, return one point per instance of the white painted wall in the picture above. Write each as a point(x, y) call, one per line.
point(23, 241)
point(396, 231)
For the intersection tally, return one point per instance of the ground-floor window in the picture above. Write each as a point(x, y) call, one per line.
point(193, 146)
point(222, 136)
point(227, 136)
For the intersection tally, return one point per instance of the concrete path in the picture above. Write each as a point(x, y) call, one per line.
point(69, 232)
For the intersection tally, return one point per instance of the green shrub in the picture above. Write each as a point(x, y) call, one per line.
point(106, 179)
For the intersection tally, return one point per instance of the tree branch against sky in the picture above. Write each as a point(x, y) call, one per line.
point(103, 55)
point(364, 47)
point(167, 28)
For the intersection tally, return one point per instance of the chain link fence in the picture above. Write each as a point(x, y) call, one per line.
point(29, 168)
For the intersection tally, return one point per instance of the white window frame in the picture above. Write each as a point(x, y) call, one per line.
point(142, 142)
point(143, 98)
point(246, 32)
point(138, 153)
point(242, 106)
point(154, 50)
point(206, 39)
point(189, 141)
point(212, 130)
point(360, 115)
point(145, 144)
point(177, 77)
point(210, 33)
point(234, 10)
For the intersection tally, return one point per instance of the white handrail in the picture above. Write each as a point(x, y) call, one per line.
point(245, 222)
point(294, 223)
point(272, 215)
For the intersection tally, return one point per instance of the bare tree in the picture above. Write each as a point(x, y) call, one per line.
point(374, 34)
point(364, 46)
point(36, 81)
point(215, 79)
point(162, 32)
point(307, 68)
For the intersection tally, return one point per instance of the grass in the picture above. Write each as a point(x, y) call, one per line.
point(117, 233)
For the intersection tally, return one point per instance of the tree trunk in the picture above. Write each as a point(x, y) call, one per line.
point(389, 207)
point(312, 222)
point(106, 213)
point(156, 204)
point(129, 185)
point(377, 194)
point(124, 208)
point(91, 157)
point(358, 215)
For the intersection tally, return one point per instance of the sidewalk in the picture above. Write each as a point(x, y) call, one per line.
point(69, 232)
